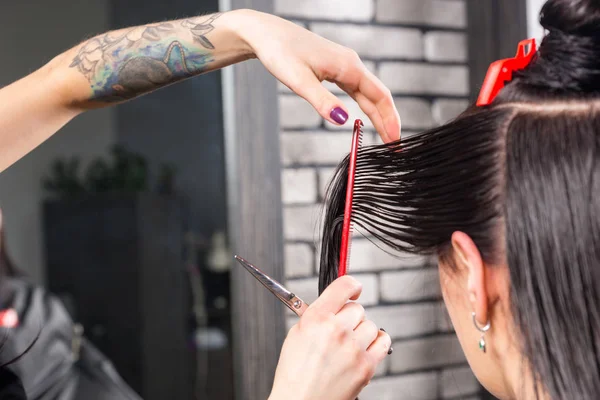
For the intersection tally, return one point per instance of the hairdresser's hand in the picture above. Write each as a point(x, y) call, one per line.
point(302, 60)
point(333, 351)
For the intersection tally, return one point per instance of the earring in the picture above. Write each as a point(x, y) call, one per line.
point(483, 330)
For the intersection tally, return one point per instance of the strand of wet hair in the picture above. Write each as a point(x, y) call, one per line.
point(410, 195)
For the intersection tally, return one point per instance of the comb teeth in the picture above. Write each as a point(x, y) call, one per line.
point(349, 251)
point(348, 226)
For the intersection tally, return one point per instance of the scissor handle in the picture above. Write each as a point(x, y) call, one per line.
point(297, 305)
point(293, 302)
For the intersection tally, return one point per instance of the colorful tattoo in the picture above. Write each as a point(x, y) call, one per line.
point(125, 64)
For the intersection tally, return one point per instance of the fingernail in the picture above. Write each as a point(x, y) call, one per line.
point(339, 115)
point(382, 330)
point(390, 351)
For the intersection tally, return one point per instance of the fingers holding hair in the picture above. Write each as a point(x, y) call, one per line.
point(366, 333)
point(337, 295)
point(351, 315)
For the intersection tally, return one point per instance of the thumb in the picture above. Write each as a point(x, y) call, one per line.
point(326, 103)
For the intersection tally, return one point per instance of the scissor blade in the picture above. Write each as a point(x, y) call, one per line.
point(287, 297)
point(268, 282)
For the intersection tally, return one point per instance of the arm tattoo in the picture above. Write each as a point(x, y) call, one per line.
point(126, 64)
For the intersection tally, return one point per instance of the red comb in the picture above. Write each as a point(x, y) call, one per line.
point(501, 72)
point(347, 227)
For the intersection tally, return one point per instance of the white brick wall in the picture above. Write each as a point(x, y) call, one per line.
point(417, 284)
point(416, 113)
point(446, 13)
point(302, 222)
point(426, 353)
point(407, 387)
point(445, 46)
point(445, 110)
point(299, 186)
point(458, 382)
point(315, 147)
point(340, 10)
point(418, 49)
point(423, 78)
point(374, 41)
point(298, 260)
point(402, 321)
point(295, 112)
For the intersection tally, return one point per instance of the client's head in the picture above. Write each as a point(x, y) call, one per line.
point(507, 196)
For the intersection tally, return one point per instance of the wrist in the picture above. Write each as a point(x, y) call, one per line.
point(241, 23)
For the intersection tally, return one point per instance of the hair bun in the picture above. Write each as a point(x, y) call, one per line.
point(572, 17)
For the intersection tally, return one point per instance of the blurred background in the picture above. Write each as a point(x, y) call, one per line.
point(126, 214)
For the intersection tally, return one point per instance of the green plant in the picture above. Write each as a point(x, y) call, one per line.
point(125, 172)
point(65, 178)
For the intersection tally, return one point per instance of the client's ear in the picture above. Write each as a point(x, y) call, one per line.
point(468, 258)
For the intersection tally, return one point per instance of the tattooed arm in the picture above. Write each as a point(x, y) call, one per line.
point(124, 64)
point(127, 63)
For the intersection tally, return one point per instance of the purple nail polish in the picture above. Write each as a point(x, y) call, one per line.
point(339, 115)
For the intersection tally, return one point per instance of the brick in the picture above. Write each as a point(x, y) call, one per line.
point(299, 186)
point(445, 46)
point(295, 112)
point(446, 110)
point(382, 368)
point(410, 285)
point(316, 147)
point(307, 289)
point(299, 260)
point(420, 78)
point(339, 10)
point(415, 113)
point(447, 13)
point(458, 382)
point(429, 352)
point(406, 320)
point(301, 222)
point(374, 41)
point(370, 291)
point(407, 387)
point(366, 256)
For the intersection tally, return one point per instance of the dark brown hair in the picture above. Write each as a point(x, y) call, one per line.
point(521, 178)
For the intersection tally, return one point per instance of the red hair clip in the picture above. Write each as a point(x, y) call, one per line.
point(501, 72)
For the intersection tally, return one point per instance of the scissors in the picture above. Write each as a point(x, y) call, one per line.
point(288, 298)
